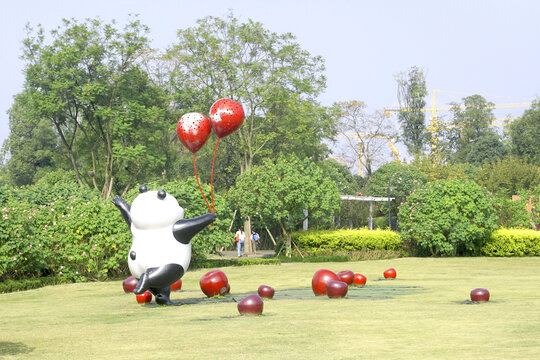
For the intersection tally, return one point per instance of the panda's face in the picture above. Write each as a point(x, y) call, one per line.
point(155, 209)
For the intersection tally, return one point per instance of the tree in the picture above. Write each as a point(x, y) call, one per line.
point(411, 94)
point(275, 80)
point(470, 131)
point(364, 133)
point(509, 176)
point(281, 191)
point(525, 134)
point(107, 115)
point(447, 218)
point(269, 74)
point(32, 144)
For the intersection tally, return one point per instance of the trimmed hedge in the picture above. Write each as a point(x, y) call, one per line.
point(216, 263)
point(347, 240)
point(27, 284)
point(512, 242)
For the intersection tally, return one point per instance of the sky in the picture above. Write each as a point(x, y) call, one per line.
point(465, 47)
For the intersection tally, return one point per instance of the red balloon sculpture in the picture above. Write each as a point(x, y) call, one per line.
point(193, 129)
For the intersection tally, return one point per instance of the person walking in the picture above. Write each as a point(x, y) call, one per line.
point(255, 240)
point(240, 236)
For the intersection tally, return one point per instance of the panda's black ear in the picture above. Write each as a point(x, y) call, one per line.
point(143, 188)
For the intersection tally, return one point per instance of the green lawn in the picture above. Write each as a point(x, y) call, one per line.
point(422, 314)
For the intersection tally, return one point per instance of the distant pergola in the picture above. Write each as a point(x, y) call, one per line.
point(371, 200)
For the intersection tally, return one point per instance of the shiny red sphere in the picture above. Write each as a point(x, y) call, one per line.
point(390, 274)
point(480, 295)
point(144, 298)
point(359, 280)
point(130, 284)
point(226, 116)
point(214, 283)
point(177, 285)
point(336, 289)
point(251, 305)
point(321, 277)
point(193, 129)
point(347, 276)
point(266, 291)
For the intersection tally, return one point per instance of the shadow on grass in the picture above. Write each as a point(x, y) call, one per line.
point(14, 348)
point(370, 292)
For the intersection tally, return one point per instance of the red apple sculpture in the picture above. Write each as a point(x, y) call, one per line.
point(359, 280)
point(321, 277)
point(336, 289)
point(129, 284)
point(176, 285)
point(480, 295)
point(390, 274)
point(144, 298)
point(251, 305)
point(347, 276)
point(266, 291)
point(214, 283)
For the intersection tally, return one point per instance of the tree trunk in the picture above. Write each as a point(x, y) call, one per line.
point(247, 242)
point(288, 242)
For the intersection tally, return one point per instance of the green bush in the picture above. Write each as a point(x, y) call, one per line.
point(27, 284)
point(448, 217)
point(346, 240)
point(512, 242)
point(512, 213)
point(77, 239)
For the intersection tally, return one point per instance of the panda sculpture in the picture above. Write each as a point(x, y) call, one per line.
point(161, 250)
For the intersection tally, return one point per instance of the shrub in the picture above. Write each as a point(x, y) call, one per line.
point(319, 242)
point(449, 217)
point(512, 213)
point(512, 242)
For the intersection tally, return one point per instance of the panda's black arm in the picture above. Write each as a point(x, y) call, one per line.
point(185, 229)
point(124, 208)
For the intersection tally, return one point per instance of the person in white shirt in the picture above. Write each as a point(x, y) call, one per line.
point(240, 244)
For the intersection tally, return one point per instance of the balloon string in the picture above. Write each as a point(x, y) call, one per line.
point(212, 177)
point(197, 177)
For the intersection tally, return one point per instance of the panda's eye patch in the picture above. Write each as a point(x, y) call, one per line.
point(161, 194)
point(143, 188)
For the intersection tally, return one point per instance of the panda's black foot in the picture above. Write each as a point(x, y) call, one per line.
point(142, 285)
point(162, 299)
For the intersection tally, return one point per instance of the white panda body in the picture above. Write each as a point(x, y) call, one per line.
point(154, 244)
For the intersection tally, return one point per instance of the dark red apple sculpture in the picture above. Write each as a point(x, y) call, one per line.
point(251, 305)
point(176, 285)
point(144, 298)
point(480, 295)
point(336, 289)
point(266, 291)
point(347, 276)
point(359, 280)
point(390, 274)
point(321, 277)
point(214, 283)
point(129, 284)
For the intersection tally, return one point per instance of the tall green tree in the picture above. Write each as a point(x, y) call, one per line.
point(281, 190)
point(32, 144)
point(412, 92)
point(525, 134)
point(88, 82)
point(275, 80)
point(470, 132)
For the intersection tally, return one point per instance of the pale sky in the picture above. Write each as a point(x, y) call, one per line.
point(466, 47)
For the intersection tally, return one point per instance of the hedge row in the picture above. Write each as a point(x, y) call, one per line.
point(512, 242)
point(27, 284)
point(347, 240)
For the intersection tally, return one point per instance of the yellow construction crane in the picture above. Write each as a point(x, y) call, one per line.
point(434, 124)
point(360, 151)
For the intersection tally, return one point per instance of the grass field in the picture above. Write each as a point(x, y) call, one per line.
point(422, 314)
